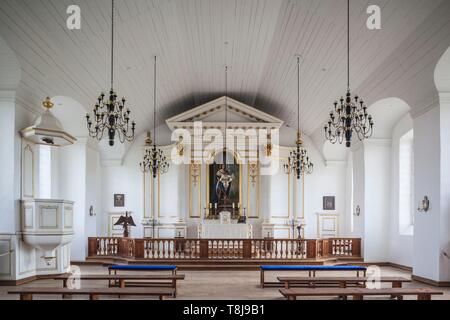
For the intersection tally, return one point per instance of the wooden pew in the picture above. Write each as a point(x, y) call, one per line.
point(359, 293)
point(115, 268)
point(311, 270)
point(341, 282)
point(94, 294)
point(125, 280)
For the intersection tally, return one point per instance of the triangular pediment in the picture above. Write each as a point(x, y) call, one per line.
point(212, 115)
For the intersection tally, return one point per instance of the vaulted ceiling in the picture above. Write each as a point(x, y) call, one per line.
point(263, 36)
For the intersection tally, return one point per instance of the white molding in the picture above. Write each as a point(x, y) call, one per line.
point(261, 119)
point(444, 97)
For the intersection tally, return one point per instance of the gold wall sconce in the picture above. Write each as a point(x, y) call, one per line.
point(424, 205)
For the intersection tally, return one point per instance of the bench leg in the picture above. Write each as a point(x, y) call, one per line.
point(122, 283)
point(174, 286)
point(358, 297)
point(94, 297)
point(286, 285)
point(396, 284)
point(161, 298)
point(262, 279)
point(424, 297)
point(26, 296)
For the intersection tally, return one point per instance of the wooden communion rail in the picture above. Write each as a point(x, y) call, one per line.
point(223, 249)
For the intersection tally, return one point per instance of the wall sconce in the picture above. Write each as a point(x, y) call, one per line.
point(424, 205)
point(357, 211)
point(91, 211)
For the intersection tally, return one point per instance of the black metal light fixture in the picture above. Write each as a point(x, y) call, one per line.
point(154, 159)
point(298, 161)
point(349, 116)
point(110, 113)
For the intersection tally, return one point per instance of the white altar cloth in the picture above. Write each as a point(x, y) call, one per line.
point(225, 231)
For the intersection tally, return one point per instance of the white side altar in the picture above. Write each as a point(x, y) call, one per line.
point(224, 229)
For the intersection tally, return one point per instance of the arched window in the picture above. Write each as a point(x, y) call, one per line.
point(406, 184)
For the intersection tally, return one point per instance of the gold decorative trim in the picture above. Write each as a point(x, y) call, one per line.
point(199, 192)
point(258, 187)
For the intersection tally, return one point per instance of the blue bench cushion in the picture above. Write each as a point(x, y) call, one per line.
point(131, 267)
point(313, 268)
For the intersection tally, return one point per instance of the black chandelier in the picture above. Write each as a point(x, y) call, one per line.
point(350, 115)
point(109, 112)
point(298, 161)
point(154, 160)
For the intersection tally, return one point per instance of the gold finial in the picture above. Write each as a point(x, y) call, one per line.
point(48, 104)
point(148, 141)
point(299, 141)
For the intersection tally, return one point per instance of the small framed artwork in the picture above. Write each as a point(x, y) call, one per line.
point(119, 200)
point(329, 203)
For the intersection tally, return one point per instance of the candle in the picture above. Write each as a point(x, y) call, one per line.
point(215, 205)
point(233, 205)
point(210, 205)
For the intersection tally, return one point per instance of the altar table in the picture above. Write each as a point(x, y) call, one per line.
point(225, 231)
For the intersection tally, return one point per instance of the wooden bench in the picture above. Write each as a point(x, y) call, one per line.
point(359, 293)
point(311, 271)
point(126, 280)
point(341, 282)
point(94, 294)
point(116, 268)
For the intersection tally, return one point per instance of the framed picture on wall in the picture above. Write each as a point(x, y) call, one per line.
point(119, 200)
point(329, 203)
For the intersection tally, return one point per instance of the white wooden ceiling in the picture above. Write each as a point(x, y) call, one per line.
point(189, 37)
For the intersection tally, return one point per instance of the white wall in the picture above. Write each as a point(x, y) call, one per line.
point(72, 187)
point(427, 177)
point(377, 169)
point(400, 246)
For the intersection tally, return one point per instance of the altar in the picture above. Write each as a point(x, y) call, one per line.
point(217, 230)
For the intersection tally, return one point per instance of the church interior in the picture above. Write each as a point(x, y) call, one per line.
point(264, 149)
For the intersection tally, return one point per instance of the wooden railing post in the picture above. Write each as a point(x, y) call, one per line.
point(204, 249)
point(356, 248)
point(121, 251)
point(92, 247)
point(139, 248)
point(247, 254)
point(311, 249)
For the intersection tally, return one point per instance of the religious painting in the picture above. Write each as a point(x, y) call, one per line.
point(119, 200)
point(329, 203)
point(224, 185)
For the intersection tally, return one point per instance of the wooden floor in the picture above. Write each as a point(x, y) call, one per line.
point(217, 285)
